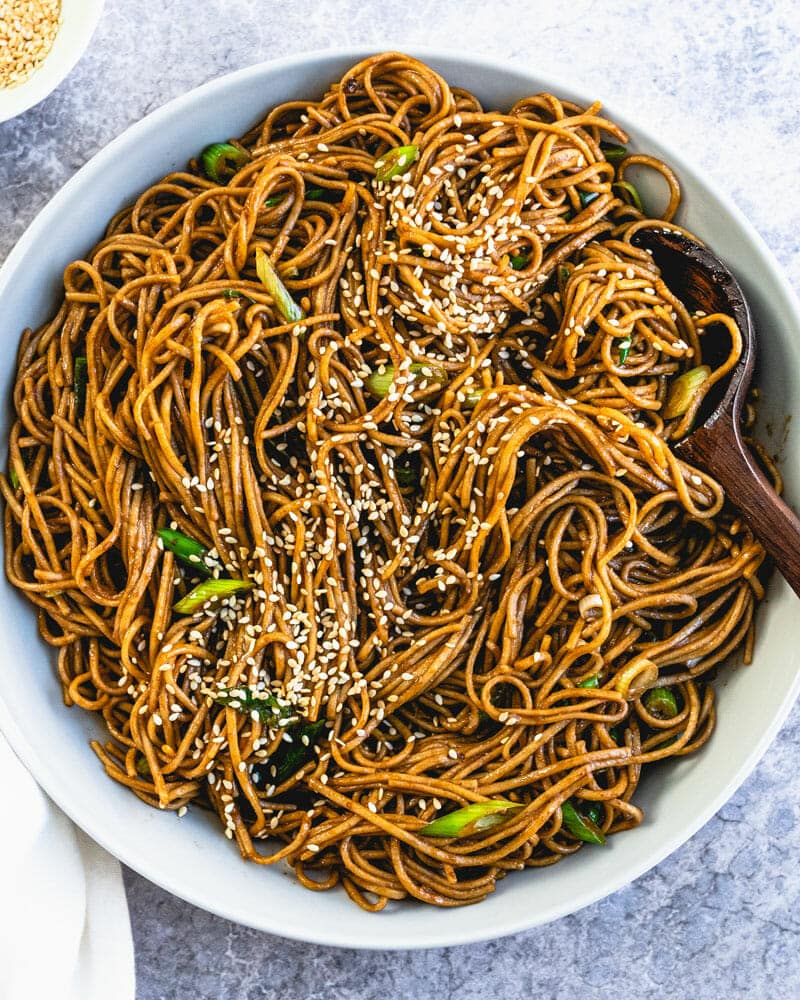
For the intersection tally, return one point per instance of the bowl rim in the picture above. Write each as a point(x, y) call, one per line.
point(45, 772)
point(78, 21)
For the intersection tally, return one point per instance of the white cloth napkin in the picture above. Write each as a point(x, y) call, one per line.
point(65, 933)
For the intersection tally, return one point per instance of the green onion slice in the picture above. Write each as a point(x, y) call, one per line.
point(587, 197)
point(624, 349)
point(263, 704)
point(661, 703)
point(472, 819)
point(581, 826)
point(395, 161)
point(268, 277)
point(142, 767)
point(591, 682)
point(292, 753)
point(380, 382)
point(189, 551)
point(518, 260)
point(13, 478)
point(472, 397)
point(613, 152)
point(594, 813)
point(290, 757)
point(80, 376)
point(405, 475)
point(232, 293)
point(683, 391)
point(210, 590)
point(631, 190)
point(222, 158)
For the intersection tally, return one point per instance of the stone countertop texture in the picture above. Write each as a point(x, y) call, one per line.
point(721, 917)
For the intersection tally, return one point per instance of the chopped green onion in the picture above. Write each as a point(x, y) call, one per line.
point(220, 158)
point(472, 397)
point(263, 704)
point(624, 349)
point(661, 703)
point(563, 273)
point(594, 813)
point(472, 819)
point(13, 478)
point(405, 475)
point(395, 161)
point(587, 197)
point(380, 382)
point(591, 682)
point(210, 590)
point(142, 767)
point(518, 260)
point(315, 194)
point(613, 152)
point(186, 549)
point(273, 200)
point(683, 390)
point(635, 198)
point(268, 277)
point(293, 751)
point(581, 826)
point(232, 293)
point(80, 377)
point(290, 757)
point(617, 735)
point(429, 372)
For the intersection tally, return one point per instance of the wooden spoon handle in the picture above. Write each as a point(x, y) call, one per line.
point(720, 450)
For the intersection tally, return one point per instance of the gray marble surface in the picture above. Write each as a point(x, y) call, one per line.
point(721, 917)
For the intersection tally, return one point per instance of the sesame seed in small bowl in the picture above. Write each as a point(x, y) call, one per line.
point(40, 42)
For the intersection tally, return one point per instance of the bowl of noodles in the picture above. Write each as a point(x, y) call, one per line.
point(342, 514)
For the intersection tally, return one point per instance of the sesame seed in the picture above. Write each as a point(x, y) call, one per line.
point(28, 31)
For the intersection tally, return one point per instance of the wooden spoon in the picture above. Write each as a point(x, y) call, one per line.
point(701, 281)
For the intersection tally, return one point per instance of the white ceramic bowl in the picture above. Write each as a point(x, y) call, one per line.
point(78, 21)
point(190, 857)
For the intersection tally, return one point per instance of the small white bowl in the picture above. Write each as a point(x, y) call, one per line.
point(190, 857)
point(78, 21)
